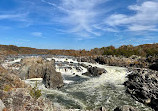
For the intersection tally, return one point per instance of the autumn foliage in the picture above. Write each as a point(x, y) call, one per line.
point(125, 50)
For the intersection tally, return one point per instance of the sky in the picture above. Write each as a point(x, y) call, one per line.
point(78, 24)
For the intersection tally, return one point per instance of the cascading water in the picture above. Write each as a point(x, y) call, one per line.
point(82, 92)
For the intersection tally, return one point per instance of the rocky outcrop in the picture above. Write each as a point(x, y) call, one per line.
point(32, 68)
point(133, 61)
point(15, 95)
point(86, 59)
point(142, 84)
point(121, 61)
point(37, 67)
point(9, 81)
point(20, 100)
point(126, 108)
point(93, 71)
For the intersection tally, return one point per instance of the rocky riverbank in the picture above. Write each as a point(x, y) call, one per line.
point(15, 93)
point(121, 61)
point(142, 84)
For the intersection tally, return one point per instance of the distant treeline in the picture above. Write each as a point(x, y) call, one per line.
point(125, 50)
point(129, 50)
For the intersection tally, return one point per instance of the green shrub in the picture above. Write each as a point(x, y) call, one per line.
point(7, 88)
point(35, 92)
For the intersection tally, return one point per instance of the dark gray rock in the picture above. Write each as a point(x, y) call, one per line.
point(52, 79)
point(94, 71)
point(86, 59)
point(154, 66)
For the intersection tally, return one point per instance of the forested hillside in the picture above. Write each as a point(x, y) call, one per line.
point(125, 50)
point(128, 50)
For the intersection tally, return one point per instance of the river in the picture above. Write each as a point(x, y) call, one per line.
point(82, 92)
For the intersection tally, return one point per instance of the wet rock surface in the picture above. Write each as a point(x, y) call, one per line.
point(142, 84)
point(94, 71)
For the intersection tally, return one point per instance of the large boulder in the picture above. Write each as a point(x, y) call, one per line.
point(94, 71)
point(37, 67)
point(51, 78)
point(142, 84)
point(33, 67)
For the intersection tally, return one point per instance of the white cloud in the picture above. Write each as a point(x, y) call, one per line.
point(9, 16)
point(142, 28)
point(145, 17)
point(79, 15)
point(18, 17)
point(37, 34)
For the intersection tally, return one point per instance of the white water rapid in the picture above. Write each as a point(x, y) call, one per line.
point(82, 92)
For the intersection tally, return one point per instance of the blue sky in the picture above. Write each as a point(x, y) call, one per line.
point(78, 24)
